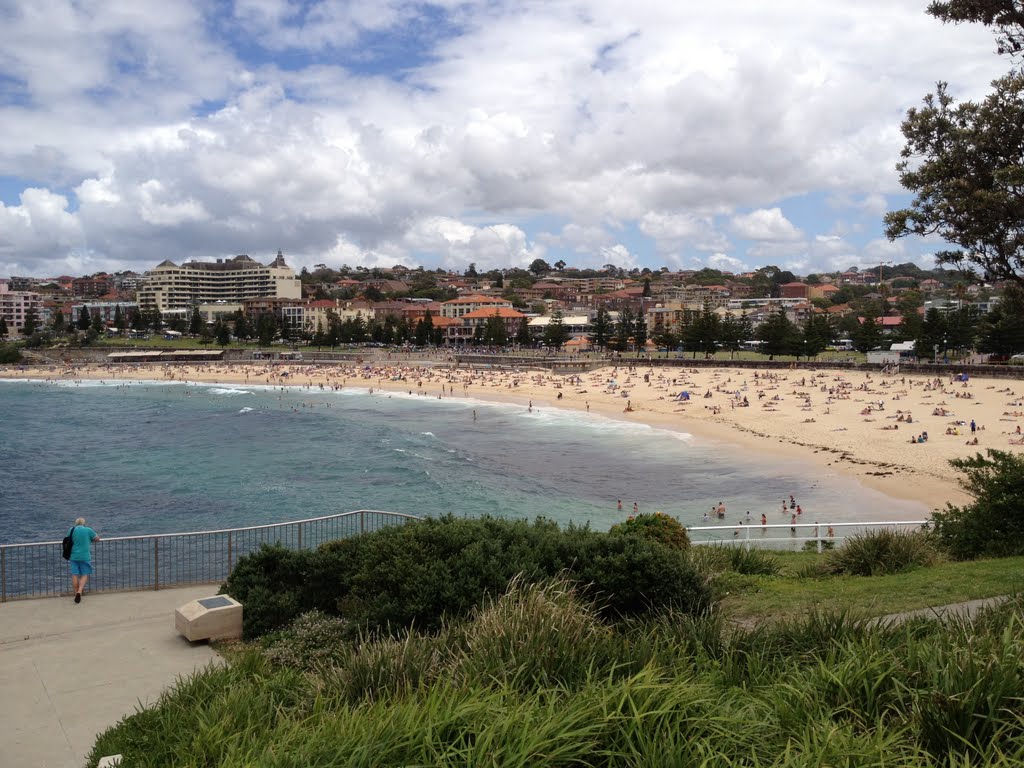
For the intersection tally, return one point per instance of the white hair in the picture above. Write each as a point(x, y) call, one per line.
point(79, 521)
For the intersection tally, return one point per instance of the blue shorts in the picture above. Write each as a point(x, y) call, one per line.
point(80, 568)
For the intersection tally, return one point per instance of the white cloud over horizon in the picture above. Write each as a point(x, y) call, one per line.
point(458, 131)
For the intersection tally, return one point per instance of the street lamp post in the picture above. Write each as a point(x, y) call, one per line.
point(945, 352)
point(936, 353)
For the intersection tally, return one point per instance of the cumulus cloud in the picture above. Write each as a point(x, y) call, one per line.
point(381, 130)
point(674, 231)
point(769, 225)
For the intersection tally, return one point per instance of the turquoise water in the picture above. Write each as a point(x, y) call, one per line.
point(158, 458)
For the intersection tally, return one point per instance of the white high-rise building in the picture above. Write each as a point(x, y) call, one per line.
point(169, 286)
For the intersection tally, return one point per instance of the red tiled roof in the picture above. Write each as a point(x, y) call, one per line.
point(485, 312)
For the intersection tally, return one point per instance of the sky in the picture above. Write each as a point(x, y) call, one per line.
point(646, 133)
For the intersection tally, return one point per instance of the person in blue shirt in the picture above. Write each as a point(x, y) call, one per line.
point(80, 561)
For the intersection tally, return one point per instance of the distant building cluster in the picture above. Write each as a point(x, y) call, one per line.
point(460, 305)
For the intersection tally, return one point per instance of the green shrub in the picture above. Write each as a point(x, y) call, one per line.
point(658, 527)
point(629, 576)
point(812, 546)
point(309, 642)
point(993, 524)
point(883, 551)
point(424, 573)
point(9, 354)
point(269, 584)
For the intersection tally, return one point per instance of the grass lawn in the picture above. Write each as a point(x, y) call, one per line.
point(761, 598)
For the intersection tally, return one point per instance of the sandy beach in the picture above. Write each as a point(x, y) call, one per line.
point(862, 425)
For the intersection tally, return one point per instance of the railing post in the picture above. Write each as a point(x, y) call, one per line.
point(156, 564)
point(746, 536)
point(362, 521)
point(300, 536)
point(230, 566)
point(3, 574)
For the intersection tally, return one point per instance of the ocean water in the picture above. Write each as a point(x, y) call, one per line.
point(167, 457)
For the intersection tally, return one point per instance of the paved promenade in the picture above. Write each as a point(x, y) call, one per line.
point(68, 672)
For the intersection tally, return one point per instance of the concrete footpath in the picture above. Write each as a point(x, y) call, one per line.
point(68, 672)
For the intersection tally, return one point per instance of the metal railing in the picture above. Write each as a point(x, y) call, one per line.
point(751, 534)
point(163, 560)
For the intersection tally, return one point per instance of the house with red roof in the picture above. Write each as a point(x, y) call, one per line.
point(479, 318)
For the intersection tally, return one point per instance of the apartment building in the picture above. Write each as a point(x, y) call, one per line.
point(169, 286)
point(15, 306)
point(463, 305)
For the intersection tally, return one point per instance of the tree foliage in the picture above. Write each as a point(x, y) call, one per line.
point(868, 334)
point(495, 333)
point(603, 328)
point(818, 334)
point(1001, 331)
point(965, 165)
point(556, 334)
point(1006, 16)
point(779, 334)
point(539, 266)
point(993, 524)
point(702, 335)
point(31, 322)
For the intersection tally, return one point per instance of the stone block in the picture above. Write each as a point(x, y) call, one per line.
point(110, 761)
point(209, 618)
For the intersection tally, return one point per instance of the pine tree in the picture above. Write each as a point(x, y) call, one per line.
point(602, 328)
point(868, 334)
point(84, 318)
point(3, 328)
point(523, 337)
point(243, 329)
point(818, 334)
point(623, 330)
point(196, 324)
point(495, 333)
point(31, 322)
point(556, 334)
point(223, 333)
point(779, 334)
point(58, 322)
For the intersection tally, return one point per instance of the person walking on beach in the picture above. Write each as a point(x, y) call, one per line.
point(80, 561)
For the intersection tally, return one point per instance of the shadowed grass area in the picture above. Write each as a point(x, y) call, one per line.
point(756, 598)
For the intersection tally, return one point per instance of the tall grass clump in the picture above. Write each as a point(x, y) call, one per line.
point(718, 558)
point(880, 552)
point(533, 636)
